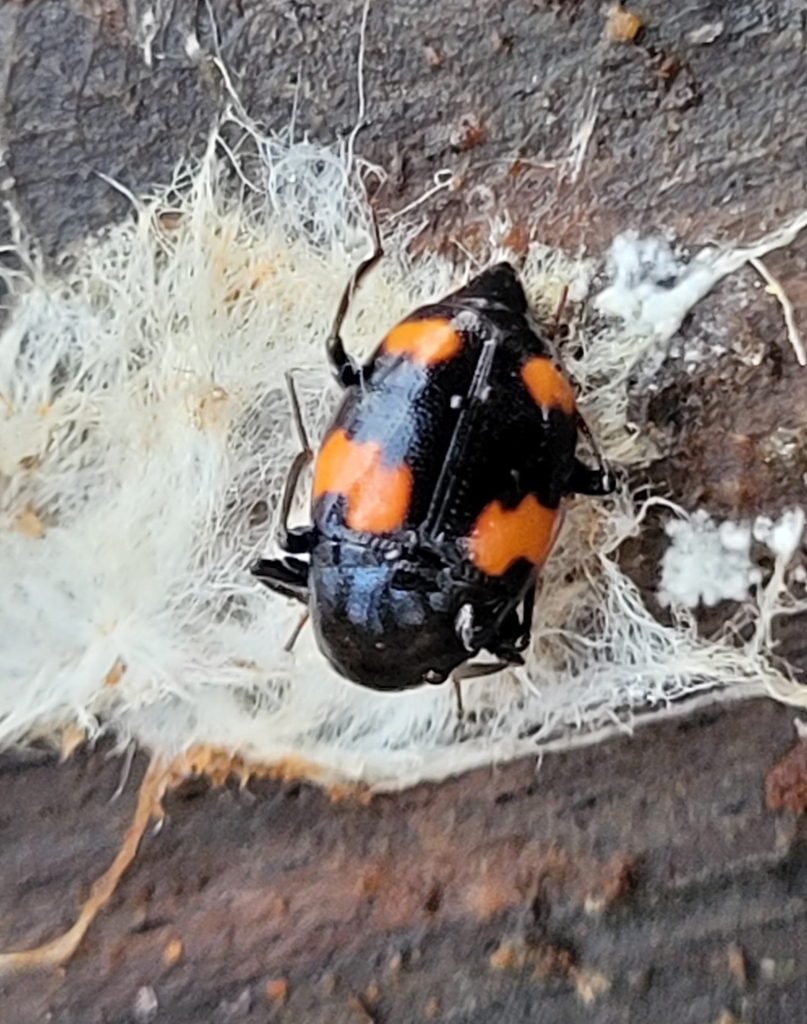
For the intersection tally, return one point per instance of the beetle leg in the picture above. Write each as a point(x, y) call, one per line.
point(347, 371)
point(286, 576)
point(564, 295)
point(292, 640)
point(295, 541)
point(594, 482)
point(289, 577)
point(527, 608)
point(475, 670)
point(458, 694)
point(511, 637)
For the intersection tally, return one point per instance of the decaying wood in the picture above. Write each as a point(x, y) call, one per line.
point(620, 877)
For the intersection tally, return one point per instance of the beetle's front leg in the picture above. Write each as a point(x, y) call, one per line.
point(286, 576)
point(593, 482)
point(289, 577)
point(295, 541)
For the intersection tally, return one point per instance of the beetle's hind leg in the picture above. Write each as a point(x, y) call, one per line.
point(292, 640)
point(347, 371)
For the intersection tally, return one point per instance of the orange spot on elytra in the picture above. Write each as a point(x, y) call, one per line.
point(500, 536)
point(377, 496)
point(424, 341)
point(547, 385)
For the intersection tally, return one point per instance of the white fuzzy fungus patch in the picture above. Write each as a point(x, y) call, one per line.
point(144, 438)
point(652, 291)
point(707, 562)
point(783, 535)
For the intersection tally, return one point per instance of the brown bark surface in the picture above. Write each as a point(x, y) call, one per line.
point(641, 880)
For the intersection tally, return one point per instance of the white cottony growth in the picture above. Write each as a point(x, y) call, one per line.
point(706, 562)
point(782, 536)
point(652, 291)
point(650, 294)
point(644, 275)
point(145, 434)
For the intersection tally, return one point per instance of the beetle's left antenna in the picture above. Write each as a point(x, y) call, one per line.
point(346, 369)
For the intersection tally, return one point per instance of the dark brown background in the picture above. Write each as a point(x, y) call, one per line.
point(702, 888)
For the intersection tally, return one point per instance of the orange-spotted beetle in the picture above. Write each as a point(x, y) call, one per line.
point(437, 491)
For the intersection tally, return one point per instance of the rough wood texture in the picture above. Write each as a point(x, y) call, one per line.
point(688, 133)
point(639, 865)
point(474, 901)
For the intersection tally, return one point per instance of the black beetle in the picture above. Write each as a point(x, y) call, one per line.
point(437, 490)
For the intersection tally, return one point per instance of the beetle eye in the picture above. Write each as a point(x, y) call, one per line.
point(433, 676)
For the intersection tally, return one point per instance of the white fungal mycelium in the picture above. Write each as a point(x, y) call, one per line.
point(145, 434)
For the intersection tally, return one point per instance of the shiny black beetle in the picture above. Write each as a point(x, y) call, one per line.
point(437, 491)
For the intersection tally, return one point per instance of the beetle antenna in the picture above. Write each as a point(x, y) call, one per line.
point(347, 372)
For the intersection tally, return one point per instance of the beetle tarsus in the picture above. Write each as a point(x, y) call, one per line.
point(527, 610)
point(292, 640)
point(458, 694)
